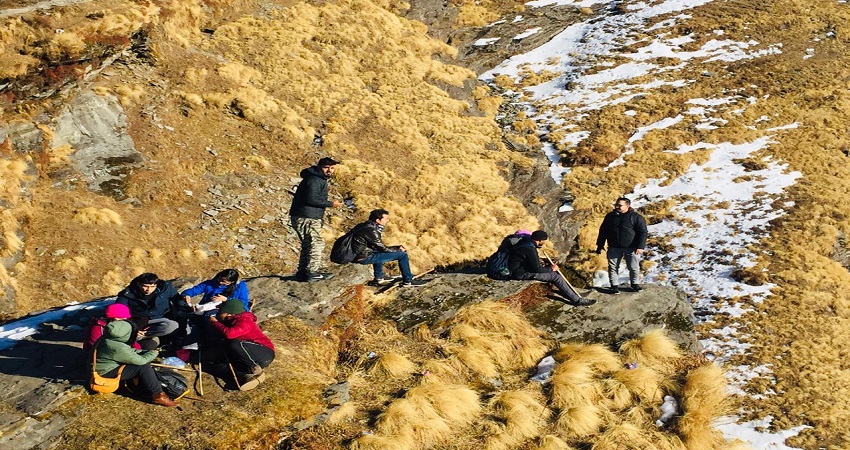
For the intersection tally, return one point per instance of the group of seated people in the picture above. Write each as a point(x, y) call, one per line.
point(149, 313)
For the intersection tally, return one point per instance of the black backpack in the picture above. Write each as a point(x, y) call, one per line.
point(497, 263)
point(342, 251)
point(173, 384)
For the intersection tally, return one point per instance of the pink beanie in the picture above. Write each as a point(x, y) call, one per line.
point(523, 233)
point(117, 311)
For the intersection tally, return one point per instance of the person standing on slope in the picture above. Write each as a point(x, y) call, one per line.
point(625, 231)
point(308, 208)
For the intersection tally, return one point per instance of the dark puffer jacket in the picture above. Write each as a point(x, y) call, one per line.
point(367, 240)
point(622, 230)
point(311, 196)
point(154, 306)
point(523, 260)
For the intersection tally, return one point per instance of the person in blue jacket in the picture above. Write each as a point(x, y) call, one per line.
point(224, 286)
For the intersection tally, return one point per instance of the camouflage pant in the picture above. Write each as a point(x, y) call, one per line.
point(309, 232)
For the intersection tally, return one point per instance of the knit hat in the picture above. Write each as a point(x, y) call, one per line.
point(522, 233)
point(117, 311)
point(539, 235)
point(232, 306)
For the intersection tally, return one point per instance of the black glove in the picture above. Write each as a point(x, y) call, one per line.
point(598, 250)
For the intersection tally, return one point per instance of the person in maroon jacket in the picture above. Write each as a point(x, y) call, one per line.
point(244, 344)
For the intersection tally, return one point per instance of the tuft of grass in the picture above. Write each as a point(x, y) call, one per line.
point(552, 442)
point(97, 216)
point(703, 400)
point(652, 349)
point(522, 417)
point(643, 382)
point(392, 365)
point(598, 356)
point(573, 384)
point(579, 421)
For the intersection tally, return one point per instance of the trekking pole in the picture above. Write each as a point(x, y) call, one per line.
point(560, 273)
point(233, 372)
point(172, 367)
point(200, 374)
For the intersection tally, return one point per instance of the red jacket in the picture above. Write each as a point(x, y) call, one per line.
point(244, 327)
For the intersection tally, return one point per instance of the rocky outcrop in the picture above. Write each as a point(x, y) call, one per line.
point(96, 128)
point(611, 320)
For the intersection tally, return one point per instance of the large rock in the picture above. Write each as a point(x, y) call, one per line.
point(96, 128)
point(611, 320)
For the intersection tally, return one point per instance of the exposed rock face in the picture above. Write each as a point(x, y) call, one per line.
point(611, 320)
point(96, 128)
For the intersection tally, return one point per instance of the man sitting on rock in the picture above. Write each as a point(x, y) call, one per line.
point(370, 249)
point(524, 264)
point(149, 300)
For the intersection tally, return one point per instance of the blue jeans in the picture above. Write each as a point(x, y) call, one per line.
point(377, 261)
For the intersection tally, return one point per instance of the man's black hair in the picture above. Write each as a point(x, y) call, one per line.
point(624, 199)
point(377, 214)
point(146, 278)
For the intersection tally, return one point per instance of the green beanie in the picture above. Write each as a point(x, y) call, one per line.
point(232, 306)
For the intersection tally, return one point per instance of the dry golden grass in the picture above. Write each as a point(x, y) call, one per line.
point(652, 349)
point(598, 356)
point(392, 365)
point(574, 384)
point(522, 417)
point(703, 400)
point(552, 442)
point(502, 332)
point(579, 421)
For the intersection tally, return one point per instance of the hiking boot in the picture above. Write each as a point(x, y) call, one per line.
point(636, 288)
point(615, 290)
point(583, 301)
point(251, 381)
point(413, 283)
point(163, 400)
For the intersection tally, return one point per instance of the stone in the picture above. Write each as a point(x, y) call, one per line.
point(96, 128)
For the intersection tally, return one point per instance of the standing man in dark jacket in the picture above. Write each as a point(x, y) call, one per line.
point(149, 300)
point(369, 247)
point(524, 264)
point(308, 208)
point(625, 231)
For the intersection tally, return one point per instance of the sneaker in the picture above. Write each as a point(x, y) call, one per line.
point(319, 276)
point(413, 283)
point(301, 276)
point(384, 281)
point(615, 290)
point(636, 288)
point(584, 301)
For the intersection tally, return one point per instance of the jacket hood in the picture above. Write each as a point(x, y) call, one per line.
point(313, 171)
point(119, 330)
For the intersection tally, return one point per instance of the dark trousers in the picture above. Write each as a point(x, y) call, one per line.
point(147, 377)
point(556, 279)
point(244, 355)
